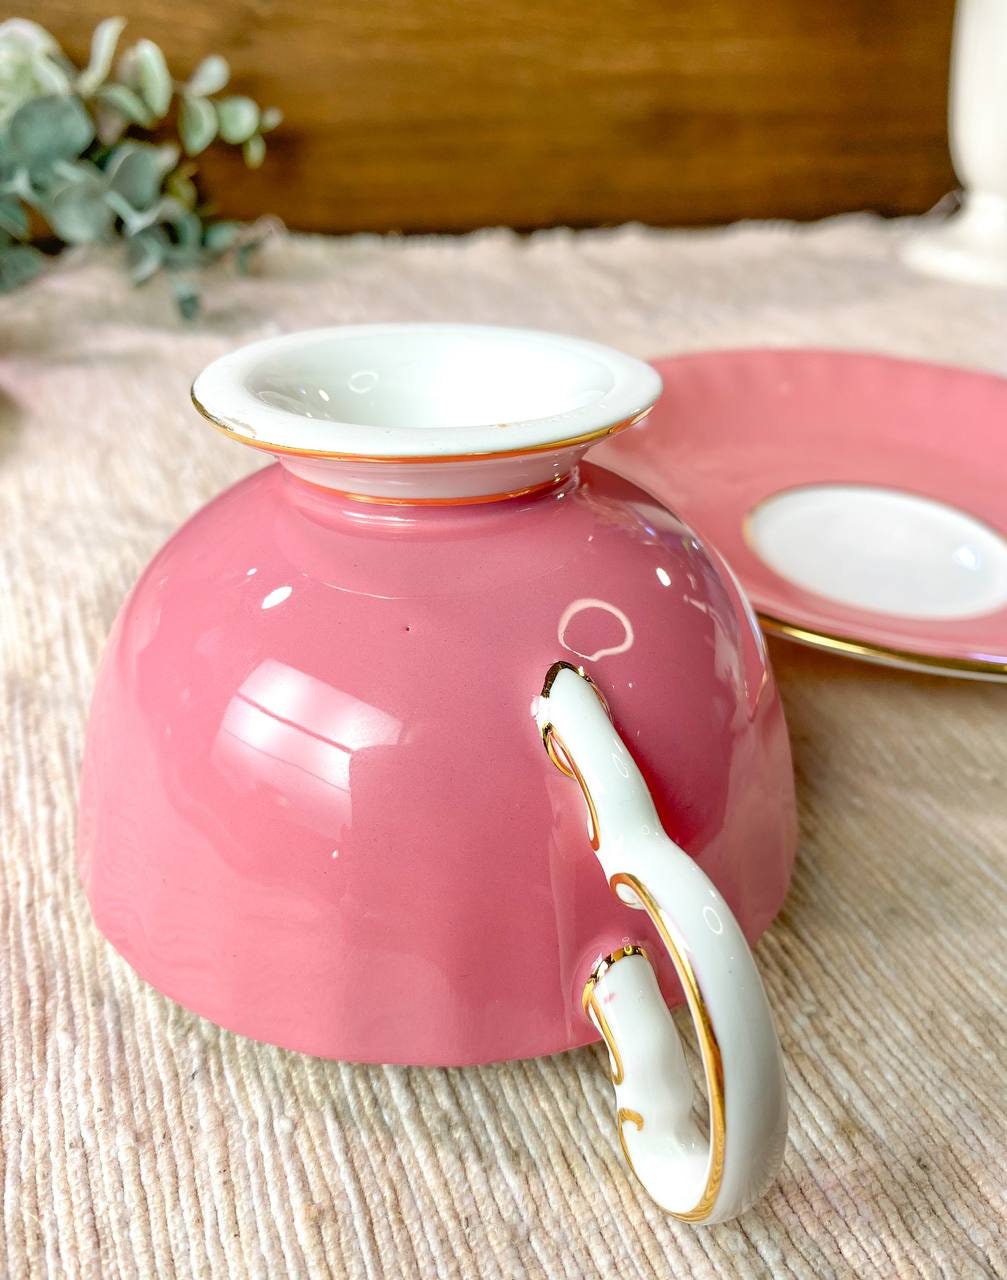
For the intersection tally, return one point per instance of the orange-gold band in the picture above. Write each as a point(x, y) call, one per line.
point(545, 486)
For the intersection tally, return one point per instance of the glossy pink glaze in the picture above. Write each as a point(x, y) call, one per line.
point(315, 807)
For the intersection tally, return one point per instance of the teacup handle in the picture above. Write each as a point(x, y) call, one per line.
point(695, 1176)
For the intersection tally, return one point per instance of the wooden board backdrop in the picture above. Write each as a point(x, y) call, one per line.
point(450, 114)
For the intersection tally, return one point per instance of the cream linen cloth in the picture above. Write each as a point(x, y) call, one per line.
point(139, 1140)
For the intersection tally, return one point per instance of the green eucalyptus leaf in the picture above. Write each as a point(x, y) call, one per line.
point(13, 218)
point(127, 103)
point(144, 255)
point(103, 42)
point(27, 39)
point(78, 175)
point(32, 65)
point(78, 212)
point(19, 263)
point(167, 209)
point(185, 251)
point(218, 237)
point(72, 172)
point(197, 124)
point(121, 208)
point(188, 230)
point(17, 182)
point(153, 77)
point(110, 125)
point(186, 297)
point(48, 129)
point(210, 77)
point(238, 118)
point(53, 77)
point(254, 151)
point(167, 154)
point(125, 70)
point(134, 172)
point(181, 187)
point(137, 220)
point(92, 190)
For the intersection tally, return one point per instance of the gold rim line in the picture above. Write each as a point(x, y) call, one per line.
point(565, 763)
point(590, 1005)
point(554, 671)
point(882, 654)
point(557, 751)
point(473, 500)
point(588, 437)
point(634, 1117)
point(713, 1067)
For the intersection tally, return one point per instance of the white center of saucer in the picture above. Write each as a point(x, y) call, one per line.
point(882, 550)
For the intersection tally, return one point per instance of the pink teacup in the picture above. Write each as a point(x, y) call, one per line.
point(316, 804)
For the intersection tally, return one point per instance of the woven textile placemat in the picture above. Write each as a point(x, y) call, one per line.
point(139, 1140)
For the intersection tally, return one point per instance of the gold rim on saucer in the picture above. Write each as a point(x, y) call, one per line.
point(904, 659)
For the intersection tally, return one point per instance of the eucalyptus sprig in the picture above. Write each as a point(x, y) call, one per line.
point(89, 155)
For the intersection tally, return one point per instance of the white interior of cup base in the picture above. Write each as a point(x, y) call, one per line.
point(425, 379)
point(422, 390)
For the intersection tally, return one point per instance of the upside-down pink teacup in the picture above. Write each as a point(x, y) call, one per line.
point(320, 801)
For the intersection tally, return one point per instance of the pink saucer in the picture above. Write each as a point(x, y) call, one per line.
point(859, 498)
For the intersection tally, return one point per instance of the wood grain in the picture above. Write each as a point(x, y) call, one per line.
point(444, 115)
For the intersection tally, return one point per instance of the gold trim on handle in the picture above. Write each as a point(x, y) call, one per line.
point(634, 1117)
point(713, 1067)
point(558, 753)
point(550, 680)
point(591, 1007)
point(564, 762)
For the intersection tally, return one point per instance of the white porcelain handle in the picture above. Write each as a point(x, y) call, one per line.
point(697, 1176)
